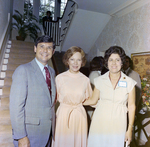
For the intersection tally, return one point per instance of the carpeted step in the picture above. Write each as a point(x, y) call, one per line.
point(6, 90)
point(9, 73)
point(8, 81)
point(12, 66)
point(5, 134)
point(4, 103)
point(5, 129)
point(22, 51)
point(24, 55)
point(21, 43)
point(7, 144)
point(4, 117)
point(20, 60)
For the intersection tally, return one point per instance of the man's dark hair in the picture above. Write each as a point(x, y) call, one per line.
point(49, 13)
point(130, 62)
point(97, 63)
point(46, 39)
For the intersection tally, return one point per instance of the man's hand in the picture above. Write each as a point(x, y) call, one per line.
point(24, 142)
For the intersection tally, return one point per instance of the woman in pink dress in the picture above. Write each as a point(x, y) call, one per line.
point(73, 88)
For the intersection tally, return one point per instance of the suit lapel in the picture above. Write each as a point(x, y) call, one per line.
point(40, 78)
point(53, 89)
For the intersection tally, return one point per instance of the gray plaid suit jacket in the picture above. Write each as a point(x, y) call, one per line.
point(31, 107)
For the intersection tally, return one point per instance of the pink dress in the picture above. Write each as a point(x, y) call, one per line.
point(71, 119)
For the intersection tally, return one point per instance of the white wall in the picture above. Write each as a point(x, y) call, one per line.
point(131, 31)
point(4, 14)
point(85, 29)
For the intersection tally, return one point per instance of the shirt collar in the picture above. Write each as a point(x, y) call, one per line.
point(126, 71)
point(41, 65)
point(123, 76)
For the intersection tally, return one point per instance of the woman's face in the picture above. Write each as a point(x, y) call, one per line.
point(114, 63)
point(75, 62)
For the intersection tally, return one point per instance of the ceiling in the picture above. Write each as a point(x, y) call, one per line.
point(105, 6)
point(92, 16)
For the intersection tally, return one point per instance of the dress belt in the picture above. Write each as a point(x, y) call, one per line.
point(71, 108)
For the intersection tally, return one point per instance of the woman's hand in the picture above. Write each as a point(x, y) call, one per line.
point(128, 137)
point(93, 100)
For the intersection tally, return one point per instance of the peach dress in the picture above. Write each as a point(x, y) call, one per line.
point(71, 118)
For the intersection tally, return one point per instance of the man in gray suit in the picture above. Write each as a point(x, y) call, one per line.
point(31, 101)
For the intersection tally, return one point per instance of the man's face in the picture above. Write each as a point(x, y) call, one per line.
point(126, 65)
point(44, 52)
point(48, 14)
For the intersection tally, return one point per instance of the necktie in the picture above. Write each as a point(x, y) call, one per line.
point(48, 79)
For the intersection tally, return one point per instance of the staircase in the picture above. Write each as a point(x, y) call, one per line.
point(58, 56)
point(17, 52)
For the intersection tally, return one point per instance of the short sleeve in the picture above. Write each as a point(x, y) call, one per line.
point(88, 91)
point(131, 84)
point(57, 80)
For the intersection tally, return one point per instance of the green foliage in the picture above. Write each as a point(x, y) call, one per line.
point(26, 25)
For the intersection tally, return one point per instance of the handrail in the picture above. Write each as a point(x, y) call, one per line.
point(66, 20)
point(3, 42)
point(53, 30)
point(66, 7)
point(58, 29)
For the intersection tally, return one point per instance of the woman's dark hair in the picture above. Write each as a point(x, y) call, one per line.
point(115, 50)
point(97, 63)
point(104, 70)
point(46, 39)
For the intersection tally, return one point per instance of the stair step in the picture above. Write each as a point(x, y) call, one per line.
point(22, 51)
point(5, 117)
point(26, 48)
point(6, 139)
point(20, 60)
point(6, 134)
point(7, 144)
point(5, 121)
point(14, 55)
point(5, 129)
point(23, 48)
point(4, 114)
point(6, 90)
point(22, 43)
point(4, 103)
point(8, 81)
point(9, 73)
point(12, 66)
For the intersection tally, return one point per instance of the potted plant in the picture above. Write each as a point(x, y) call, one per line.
point(26, 26)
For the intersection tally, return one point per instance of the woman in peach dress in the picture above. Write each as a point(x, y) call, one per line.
point(73, 88)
